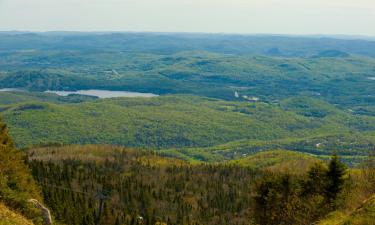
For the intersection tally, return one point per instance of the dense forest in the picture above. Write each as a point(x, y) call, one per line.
point(190, 127)
point(138, 187)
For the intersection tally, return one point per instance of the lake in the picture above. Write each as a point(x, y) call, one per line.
point(96, 93)
point(10, 89)
point(104, 93)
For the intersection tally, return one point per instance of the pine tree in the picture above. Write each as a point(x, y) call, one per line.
point(335, 178)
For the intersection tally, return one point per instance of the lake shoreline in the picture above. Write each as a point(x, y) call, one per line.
point(91, 92)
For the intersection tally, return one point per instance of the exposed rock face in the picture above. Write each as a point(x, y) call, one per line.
point(44, 211)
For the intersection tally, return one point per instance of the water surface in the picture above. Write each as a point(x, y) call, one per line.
point(104, 93)
point(10, 89)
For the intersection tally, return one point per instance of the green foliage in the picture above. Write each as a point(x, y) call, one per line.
point(162, 189)
point(139, 183)
point(193, 65)
point(316, 180)
point(191, 127)
point(287, 199)
point(316, 97)
point(9, 217)
point(335, 178)
point(278, 160)
point(16, 183)
point(277, 200)
point(364, 215)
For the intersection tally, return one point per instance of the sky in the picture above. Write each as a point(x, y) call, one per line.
point(350, 17)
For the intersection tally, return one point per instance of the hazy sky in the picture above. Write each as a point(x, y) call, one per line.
point(231, 16)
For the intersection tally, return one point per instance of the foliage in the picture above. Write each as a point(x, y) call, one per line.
point(140, 184)
point(162, 189)
point(287, 199)
point(335, 178)
point(189, 127)
point(363, 215)
point(276, 200)
point(9, 217)
point(206, 65)
point(278, 161)
point(310, 95)
point(17, 185)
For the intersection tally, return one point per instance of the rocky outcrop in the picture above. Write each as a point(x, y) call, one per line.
point(46, 215)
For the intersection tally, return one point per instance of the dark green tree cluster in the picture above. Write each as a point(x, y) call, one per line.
point(138, 189)
point(283, 199)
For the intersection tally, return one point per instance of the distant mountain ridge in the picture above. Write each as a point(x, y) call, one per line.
point(169, 43)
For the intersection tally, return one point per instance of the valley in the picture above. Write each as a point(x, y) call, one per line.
point(186, 129)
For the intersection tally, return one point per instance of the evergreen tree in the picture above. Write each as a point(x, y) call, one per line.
point(335, 178)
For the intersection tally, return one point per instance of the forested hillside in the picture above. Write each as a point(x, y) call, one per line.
point(17, 185)
point(187, 126)
point(139, 187)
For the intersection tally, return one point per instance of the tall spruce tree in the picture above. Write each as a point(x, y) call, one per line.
point(335, 178)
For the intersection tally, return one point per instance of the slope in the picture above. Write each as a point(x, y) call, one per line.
point(16, 183)
point(365, 215)
point(9, 217)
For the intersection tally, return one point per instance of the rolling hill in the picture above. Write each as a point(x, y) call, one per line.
point(189, 125)
point(338, 71)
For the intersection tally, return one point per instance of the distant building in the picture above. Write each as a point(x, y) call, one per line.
point(250, 98)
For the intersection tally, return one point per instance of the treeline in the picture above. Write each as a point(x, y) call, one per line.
point(142, 188)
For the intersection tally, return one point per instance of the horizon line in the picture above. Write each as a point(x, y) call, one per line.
point(318, 35)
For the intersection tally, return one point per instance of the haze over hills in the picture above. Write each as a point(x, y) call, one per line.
point(167, 43)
